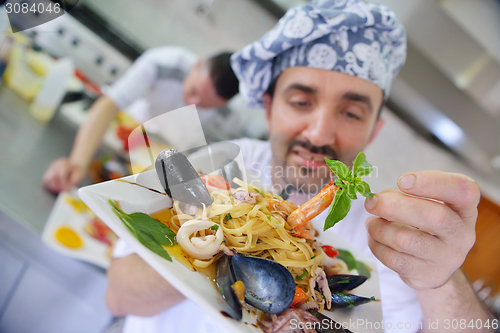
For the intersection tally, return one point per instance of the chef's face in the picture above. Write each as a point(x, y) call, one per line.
point(316, 113)
point(199, 89)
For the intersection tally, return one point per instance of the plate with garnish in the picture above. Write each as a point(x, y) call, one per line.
point(237, 251)
point(74, 230)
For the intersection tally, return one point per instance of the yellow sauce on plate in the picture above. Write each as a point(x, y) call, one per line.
point(68, 237)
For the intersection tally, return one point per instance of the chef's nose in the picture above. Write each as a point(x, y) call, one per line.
point(320, 129)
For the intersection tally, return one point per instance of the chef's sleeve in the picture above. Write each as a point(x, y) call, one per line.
point(136, 82)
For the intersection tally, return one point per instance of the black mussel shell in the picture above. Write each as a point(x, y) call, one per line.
point(180, 180)
point(331, 327)
point(225, 280)
point(341, 282)
point(343, 301)
point(269, 286)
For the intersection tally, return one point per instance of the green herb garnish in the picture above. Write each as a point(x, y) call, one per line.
point(269, 217)
point(149, 231)
point(314, 256)
point(301, 276)
point(352, 263)
point(215, 227)
point(228, 217)
point(350, 183)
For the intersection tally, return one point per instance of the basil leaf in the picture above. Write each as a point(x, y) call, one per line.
point(351, 191)
point(364, 169)
point(160, 232)
point(149, 231)
point(339, 169)
point(360, 159)
point(148, 241)
point(338, 209)
point(347, 257)
point(362, 269)
point(364, 189)
point(339, 183)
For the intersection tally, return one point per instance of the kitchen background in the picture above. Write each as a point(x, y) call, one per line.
point(443, 113)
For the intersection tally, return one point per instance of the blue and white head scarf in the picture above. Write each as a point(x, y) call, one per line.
point(349, 36)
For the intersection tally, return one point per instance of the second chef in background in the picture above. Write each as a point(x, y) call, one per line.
point(161, 80)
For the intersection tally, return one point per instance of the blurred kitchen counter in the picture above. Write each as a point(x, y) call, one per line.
point(27, 149)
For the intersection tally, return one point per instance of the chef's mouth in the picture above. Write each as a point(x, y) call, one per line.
point(306, 154)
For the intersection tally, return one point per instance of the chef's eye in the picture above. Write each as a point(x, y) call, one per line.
point(300, 103)
point(352, 115)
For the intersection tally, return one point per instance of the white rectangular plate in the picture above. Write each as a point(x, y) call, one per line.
point(194, 285)
point(63, 214)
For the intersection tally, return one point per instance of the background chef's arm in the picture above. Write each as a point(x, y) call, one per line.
point(65, 173)
point(90, 134)
point(136, 289)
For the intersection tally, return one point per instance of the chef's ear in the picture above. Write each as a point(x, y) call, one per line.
point(267, 101)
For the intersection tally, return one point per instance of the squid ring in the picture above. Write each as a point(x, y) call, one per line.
point(204, 247)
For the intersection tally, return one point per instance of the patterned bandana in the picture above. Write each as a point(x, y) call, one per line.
point(349, 36)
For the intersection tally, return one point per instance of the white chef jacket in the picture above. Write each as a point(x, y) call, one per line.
point(399, 302)
point(153, 86)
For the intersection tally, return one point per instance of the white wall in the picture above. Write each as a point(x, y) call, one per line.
point(231, 24)
point(399, 149)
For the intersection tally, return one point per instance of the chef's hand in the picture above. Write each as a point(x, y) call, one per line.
point(62, 175)
point(424, 232)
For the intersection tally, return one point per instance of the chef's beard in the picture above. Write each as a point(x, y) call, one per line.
point(307, 180)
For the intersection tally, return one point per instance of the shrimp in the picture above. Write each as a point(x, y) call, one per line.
point(281, 207)
point(313, 207)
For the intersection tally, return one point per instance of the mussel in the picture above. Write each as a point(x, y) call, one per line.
point(342, 282)
point(346, 301)
point(225, 281)
point(180, 180)
point(328, 325)
point(269, 286)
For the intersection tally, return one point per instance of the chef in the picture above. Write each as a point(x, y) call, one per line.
point(322, 74)
point(161, 80)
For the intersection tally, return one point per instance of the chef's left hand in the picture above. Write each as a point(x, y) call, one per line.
point(424, 232)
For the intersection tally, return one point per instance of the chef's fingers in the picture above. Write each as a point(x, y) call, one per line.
point(429, 216)
point(54, 177)
point(459, 192)
point(76, 176)
point(405, 239)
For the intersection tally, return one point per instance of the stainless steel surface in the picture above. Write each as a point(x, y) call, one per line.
point(27, 148)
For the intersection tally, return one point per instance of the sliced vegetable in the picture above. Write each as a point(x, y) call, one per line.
point(300, 297)
point(330, 251)
point(216, 181)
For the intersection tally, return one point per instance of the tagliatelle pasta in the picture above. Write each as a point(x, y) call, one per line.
point(258, 230)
